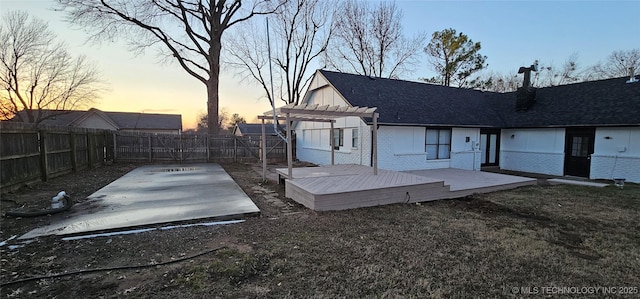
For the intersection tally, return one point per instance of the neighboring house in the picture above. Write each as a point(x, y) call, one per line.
point(253, 130)
point(118, 121)
point(589, 129)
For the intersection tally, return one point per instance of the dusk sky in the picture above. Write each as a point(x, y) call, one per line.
point(512, 33)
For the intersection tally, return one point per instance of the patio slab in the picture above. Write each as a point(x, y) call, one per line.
point(156, 194)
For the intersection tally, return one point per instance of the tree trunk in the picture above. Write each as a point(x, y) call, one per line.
point(212, 104)
point(213, 85)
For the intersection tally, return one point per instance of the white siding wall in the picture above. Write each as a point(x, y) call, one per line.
point(399, 148)
point(617, 156)
point(533, 150)
point(313, 144)
point(403, 148)
point(465, 155)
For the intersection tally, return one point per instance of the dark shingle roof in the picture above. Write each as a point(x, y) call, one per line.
point(134, 120)
point(124, 120)
point(58, 117)
point(594, 103)
point(406, 102)
point(603, 102)
point(256, 129)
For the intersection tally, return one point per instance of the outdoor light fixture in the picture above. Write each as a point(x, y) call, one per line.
point(467, 139)
point(513, 136)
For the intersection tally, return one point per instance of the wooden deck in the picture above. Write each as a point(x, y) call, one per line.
point(341, 187)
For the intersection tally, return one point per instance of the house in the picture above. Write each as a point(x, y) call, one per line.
point(588, 129)
point(253, 130)
point(118, 121)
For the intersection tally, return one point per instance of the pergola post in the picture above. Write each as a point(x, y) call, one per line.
point(374, 146)
point(289, 148)
point(264, 153)
point(332, 144)
point(326, 113)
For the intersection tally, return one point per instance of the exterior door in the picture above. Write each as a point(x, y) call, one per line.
point(578, 150)
point(490, 147)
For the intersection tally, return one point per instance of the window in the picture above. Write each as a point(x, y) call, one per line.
point(338, 138)
point(354, 138)
point(438, 144)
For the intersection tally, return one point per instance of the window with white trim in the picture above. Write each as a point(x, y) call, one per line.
point(438, 144)
point(338, 138)
point(354, 138)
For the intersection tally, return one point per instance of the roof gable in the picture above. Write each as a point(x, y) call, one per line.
point(96, 119)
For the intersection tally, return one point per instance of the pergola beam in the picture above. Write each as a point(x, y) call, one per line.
point(294, 118)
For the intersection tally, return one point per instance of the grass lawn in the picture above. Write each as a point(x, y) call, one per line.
point(485, 246)
point(502, 244)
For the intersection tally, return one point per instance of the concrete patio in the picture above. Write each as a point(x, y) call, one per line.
point(156, 194)
point(340, 187)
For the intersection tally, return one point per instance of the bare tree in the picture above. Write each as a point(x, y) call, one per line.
point(369, 41)
point(550, 75)
point(203, 126)
point(300, 34)
point(37, 73)
point(498, 82)
point(618, 64)
point(186, 31)
point(454, 57)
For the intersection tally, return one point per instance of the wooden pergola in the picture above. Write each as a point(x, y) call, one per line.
point(315, 113)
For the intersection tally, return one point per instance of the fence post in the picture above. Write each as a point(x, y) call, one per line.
point(115, 147)
point(150, 149)
point(43, 156)
point(235, 149)
point(74, 153)
point(90, 149)
point(207, 140)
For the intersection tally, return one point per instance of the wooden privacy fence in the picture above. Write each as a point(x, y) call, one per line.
point(29, 153)
point(131, 147)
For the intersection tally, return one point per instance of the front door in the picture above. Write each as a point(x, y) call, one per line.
point(578, 150)
point(490, 147)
